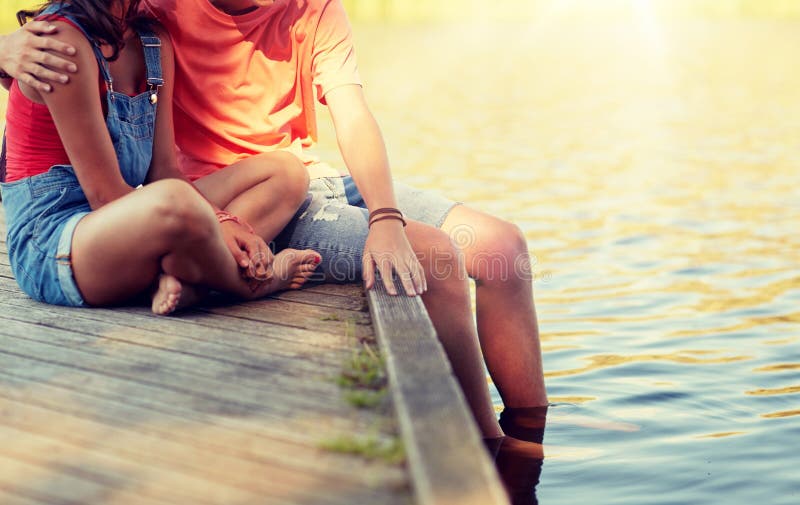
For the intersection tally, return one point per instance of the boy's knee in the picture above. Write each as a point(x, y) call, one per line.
point(291, 175)
point(510, 239)
point(504, 253)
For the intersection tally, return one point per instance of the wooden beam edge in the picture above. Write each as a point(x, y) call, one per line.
point(432, 484)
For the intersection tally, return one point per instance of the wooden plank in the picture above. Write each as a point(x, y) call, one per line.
point(223, 404)
point(134, 349)
point(131, 393)
point(8, 497)
point(325, 298)
point(188, 374)
point(286, 314)
point(277, 313)
point(250, 439)
point(175, 335)
point(447, 460)
point(53, 468)
point(44, 487)
point(110, 454)
point(230, 330)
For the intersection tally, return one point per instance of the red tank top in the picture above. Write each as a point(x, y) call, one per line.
point(32, 141)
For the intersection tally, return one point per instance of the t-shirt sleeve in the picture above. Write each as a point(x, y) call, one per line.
point(333, 62)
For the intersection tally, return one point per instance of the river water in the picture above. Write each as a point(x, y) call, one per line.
point(655, 170)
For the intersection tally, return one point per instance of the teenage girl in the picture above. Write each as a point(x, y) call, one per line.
point(79, 231)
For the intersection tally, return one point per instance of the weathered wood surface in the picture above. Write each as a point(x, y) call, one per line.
point(446, 457)
point(225, 404)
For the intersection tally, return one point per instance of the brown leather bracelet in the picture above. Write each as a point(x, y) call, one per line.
point(384, 218)
point(384, 210)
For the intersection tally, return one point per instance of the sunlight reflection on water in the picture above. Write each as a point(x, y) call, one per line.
point(659, 193)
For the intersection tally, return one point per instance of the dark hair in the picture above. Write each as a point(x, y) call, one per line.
point(96, 18)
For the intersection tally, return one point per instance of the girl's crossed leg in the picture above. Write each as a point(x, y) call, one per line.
point(166, 229)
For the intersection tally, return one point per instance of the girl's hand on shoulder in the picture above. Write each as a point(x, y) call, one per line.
point(388, 249)
point(33, 58)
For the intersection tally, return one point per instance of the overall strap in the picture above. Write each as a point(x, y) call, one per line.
point(151, 45)
point(3, 160)
point(61, 9)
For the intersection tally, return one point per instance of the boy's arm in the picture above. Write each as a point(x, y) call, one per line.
point(34, 59)
point(364, 153)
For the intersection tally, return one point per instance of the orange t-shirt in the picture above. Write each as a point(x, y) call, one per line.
point(245, 84)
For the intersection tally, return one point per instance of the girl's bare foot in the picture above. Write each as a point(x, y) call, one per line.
point(292, 268)
point(171, 295)
point(167, 295)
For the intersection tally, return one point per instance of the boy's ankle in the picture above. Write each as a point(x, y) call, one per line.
point(524, 423)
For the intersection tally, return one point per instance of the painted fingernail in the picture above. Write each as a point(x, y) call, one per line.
point(63, 78)
point(47, 88)
point(317, 260)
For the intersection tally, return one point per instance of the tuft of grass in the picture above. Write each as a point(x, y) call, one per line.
point(368, 447)
point(365, 399)
point(364, 370)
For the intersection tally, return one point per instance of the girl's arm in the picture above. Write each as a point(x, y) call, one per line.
point(249, 250)
point(34, 59)
point(78, 115)
point(165, 163)
point(364, 153)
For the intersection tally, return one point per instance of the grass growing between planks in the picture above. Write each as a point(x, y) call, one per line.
point(363, 376)
point(371, 447)
point(364, 384)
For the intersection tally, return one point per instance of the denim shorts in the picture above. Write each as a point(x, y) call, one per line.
point(42, 212)
point(333, 222)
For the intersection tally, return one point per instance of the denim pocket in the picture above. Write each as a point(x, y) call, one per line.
point(30, 260)
point(136, 131)
point(44, 225)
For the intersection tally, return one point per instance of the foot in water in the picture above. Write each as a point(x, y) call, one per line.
point(519, 455)
point(519, 464)
point(291, 268)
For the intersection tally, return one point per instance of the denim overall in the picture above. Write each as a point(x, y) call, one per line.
point(42, 211)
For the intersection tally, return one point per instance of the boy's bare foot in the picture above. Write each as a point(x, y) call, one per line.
point(167, 295)
point(292, 268)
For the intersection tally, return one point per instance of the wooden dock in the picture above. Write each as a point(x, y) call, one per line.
point(222, 404)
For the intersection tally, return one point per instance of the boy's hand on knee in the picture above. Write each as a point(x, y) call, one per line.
point(387, 249)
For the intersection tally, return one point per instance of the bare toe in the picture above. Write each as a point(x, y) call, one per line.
point(292, 269)
point(167, 295)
